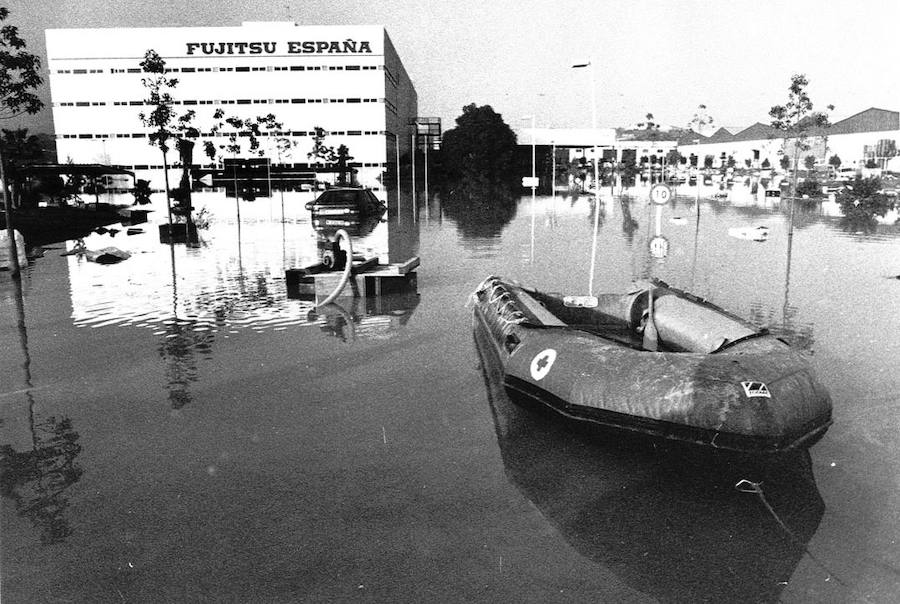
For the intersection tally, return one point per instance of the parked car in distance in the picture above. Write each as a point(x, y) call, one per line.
point(346, 202)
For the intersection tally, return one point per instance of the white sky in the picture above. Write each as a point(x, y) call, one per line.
point(660, 56)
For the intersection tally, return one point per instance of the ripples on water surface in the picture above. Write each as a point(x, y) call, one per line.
point(175, 427)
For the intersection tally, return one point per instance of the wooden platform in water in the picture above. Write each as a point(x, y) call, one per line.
point(369, 279)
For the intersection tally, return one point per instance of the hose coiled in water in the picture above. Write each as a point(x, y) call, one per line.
point(348, 267)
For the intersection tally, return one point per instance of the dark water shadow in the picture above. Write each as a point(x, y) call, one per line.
point(667, 521)
point(38, 479)
point(481, 208)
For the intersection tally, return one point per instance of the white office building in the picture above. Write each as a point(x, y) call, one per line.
point(347, 80)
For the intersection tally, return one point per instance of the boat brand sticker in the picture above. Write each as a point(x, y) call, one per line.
point(756, 390)
point(541, 364)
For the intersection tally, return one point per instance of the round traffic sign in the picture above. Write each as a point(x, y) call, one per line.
point(660, 194)
point(659, 247)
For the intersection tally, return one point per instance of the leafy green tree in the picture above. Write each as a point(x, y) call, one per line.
point(252, 128)
point(702, 122)
point(835, 162)
point(708, 161)
point(674, 157)
point(481, 144)
point(784, 162)
point(329, 155)
point(810, 162)
point(862, 198)
point(649, 124)
point(19, 76)
point(162, 120)
point(796, 119)
point(20, 149)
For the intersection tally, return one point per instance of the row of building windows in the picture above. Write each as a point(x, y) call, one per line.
point(274, 165)
point(238, 68)
point(226, 134)
point(225, 102)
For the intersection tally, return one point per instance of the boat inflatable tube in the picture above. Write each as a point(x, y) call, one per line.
point(716, 380)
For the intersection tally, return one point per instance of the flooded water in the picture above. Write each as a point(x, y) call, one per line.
point(177, 428)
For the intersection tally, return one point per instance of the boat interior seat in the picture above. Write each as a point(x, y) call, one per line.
point(684, 325)
point(538, 310)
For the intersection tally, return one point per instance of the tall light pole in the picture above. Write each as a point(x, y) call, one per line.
point(697, 179)
point(412, 152)
point(533, 181)
point(590, 64)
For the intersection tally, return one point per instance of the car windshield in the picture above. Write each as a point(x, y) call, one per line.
point(338, 197)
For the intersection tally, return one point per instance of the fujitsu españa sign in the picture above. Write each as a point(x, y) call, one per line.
point(348, 46)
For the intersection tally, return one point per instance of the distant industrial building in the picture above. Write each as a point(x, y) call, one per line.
point(347, 80)
point(868, 137)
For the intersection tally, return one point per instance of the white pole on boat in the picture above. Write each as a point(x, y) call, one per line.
point(590, 64)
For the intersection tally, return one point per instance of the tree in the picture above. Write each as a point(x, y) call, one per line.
point(480, 144)
point(784, 162)
point(673, 157)
point(810, 162)
point(796, 119)
point(766, 164)
point(249, 128)
point(702, 122)
point(329, 155)
point(19, 76)
point(835, 162)
point(162, 120)
point(862, 199)
point(19, 148)
point(649, 124)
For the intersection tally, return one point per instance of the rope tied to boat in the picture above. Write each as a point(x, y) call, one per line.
point(748, 486)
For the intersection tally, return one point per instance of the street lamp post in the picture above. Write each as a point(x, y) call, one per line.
point(413, 144)
point(590, 64)
point(533, 181)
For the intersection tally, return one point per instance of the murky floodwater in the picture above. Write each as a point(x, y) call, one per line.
point(177, 428)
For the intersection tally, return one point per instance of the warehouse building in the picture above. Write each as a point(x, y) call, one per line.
point(347, 80)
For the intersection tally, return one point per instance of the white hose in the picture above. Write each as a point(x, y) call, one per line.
point(348, 266)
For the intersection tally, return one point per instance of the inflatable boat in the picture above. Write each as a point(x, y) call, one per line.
point(656, 360)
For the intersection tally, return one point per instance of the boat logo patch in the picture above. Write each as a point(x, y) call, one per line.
point(756, 390)
point(541, 364)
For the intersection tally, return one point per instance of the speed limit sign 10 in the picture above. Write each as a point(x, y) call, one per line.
point(660, 194)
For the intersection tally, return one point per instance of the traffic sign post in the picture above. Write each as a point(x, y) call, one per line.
point(659, 247)
point(660, 194)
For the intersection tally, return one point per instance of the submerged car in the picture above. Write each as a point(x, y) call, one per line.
point(346, 203)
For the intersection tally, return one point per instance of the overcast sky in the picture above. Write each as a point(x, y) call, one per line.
point(660, 56)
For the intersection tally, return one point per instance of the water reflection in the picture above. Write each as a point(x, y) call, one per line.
point(669, 523)
point(37, 479)
point(480, 208)
point(377, 318)
point(182, 341)
point(233, 280)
